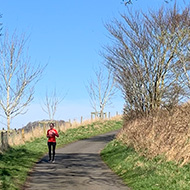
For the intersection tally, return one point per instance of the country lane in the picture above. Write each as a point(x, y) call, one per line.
point(78, 166)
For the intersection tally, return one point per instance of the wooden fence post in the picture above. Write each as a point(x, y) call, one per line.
point(57, 124)
point(23, 137)
point(4, 140)
point(32, 131)
point(81, 120)
point(13, 136)
point(44, 128)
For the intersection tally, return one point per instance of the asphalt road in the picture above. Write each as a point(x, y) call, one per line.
point(78, 166)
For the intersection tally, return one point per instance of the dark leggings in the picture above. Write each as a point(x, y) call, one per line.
point(49, 147)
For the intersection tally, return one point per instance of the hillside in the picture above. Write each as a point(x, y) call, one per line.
point(166, 133)
point(153, 153)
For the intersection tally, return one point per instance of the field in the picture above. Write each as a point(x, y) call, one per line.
point(139, 167)
point(17, 161)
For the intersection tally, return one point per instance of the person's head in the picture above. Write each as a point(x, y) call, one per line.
point(51, 125)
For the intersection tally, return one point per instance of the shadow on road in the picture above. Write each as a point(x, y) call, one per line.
point(102, 138)
point(74, 169)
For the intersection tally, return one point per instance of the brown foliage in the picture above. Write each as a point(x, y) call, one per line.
point(165, 133)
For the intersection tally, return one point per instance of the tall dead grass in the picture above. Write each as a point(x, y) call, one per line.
point(36, 130)
point(39, 129)
point(90, 121)
point(166, 133)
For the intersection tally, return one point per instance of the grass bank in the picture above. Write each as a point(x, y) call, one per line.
point(140, 173)
point(17, 161)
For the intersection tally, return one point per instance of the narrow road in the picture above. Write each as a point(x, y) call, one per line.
point(78, 166)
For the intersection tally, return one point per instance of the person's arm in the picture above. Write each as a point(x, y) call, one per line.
point(56, 133)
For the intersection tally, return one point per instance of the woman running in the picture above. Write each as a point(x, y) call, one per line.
point(51, 134)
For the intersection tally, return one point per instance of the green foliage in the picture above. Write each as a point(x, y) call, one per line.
point(140, 173)
point(16, 162)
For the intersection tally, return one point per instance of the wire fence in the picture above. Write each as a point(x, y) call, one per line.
point(39, 129)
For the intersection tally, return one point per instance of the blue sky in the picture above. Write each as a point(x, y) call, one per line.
point(68, 35)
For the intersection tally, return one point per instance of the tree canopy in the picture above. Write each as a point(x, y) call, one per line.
point(150, 58)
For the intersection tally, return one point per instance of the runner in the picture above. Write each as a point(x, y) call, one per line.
point(51, 134)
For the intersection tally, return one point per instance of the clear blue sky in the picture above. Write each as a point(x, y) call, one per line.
point(68, 35)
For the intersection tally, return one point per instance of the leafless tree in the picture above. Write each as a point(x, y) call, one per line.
point(101, 90)
point(144, 57)
point(182, 69)
point(17, 77)
point(1, 25)
point(52, 100)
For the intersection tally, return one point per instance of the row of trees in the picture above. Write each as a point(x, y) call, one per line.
point(18, 78)
point(136, 52)
point(150, 58)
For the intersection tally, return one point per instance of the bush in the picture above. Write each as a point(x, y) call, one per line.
point(166, 133)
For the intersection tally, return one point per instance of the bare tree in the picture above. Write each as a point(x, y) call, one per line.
point(52, 100)
point(182, 69)
point(17, 77)
point(101, 90)
point(144, 57)
point(1, 25)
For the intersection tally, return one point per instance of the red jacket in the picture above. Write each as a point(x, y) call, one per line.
point(51, 134)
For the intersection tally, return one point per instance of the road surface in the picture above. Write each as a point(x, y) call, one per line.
point(78, 166)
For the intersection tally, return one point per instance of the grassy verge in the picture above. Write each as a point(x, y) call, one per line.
point(140, 173)
point(17, 161)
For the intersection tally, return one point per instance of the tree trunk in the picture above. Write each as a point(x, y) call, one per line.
point(8, 122)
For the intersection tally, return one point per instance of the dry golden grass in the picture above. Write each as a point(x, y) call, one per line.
point(21, 136)
point(167, 133)
point(89, 121)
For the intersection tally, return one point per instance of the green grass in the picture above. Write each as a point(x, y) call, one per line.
point(140, 173)
point(17, 161)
